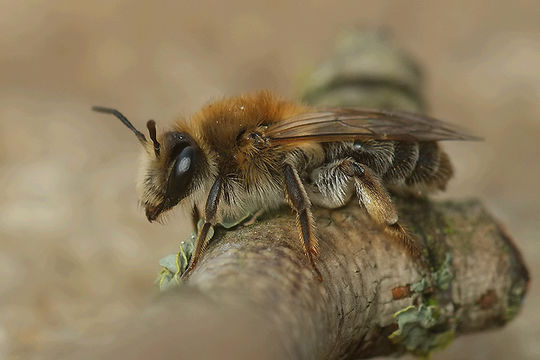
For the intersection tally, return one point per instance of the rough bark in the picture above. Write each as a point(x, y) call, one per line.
point(477, 280)
point(254, 296)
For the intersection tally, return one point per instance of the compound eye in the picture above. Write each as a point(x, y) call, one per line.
point(181, 174)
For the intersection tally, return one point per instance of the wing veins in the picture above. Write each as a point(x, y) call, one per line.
point(358, 123)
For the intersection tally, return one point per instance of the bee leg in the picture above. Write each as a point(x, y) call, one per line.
point(373, 196)
point(330, 187)
point(210, 212)
point(254, 218)
point(195, 217)
point(299, 201)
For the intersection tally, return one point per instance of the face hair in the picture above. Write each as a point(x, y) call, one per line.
point(151, 125)
point(123, 119)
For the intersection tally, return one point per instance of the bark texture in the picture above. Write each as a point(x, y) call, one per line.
point(374, 299)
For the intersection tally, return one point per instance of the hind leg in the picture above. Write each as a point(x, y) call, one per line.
point(332, 186)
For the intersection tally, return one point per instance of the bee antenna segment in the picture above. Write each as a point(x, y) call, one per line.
point(123, 119)
point(151, 125)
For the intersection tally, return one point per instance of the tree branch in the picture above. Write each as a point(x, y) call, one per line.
point(370, 285)
point(254, 296)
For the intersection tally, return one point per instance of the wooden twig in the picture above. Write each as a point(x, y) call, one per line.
point(374, 299)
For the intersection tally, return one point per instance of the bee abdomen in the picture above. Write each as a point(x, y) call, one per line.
point(402, 165)
point(404, 162)
point(444, 172)
point(427, 164)
point(377, 155)
point(432, 169)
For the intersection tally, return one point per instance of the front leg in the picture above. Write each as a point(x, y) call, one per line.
point(299, 201)
point(210, 212)
point(195, 217)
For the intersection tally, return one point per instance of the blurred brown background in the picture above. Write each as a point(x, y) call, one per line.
point(77, 252)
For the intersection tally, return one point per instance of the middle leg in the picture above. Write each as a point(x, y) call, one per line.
point(299, 201)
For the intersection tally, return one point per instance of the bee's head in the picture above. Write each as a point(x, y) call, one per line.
point(172, 168)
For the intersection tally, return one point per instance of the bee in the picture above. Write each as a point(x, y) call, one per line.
point(257, 151)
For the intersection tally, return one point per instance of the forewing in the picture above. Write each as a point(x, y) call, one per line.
point(348, 124)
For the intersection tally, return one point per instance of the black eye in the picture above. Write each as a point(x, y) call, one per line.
point(181, 174)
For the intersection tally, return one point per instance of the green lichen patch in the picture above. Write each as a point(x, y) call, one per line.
point(442, 278)
point(174, 265)
point(420, 286)
point(445, 274)
point(166, 278)
point(515, 300)
point(419, 330)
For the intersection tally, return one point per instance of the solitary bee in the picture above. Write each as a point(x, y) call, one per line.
point(252, 152)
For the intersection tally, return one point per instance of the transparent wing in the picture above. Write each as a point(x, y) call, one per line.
point(346, 124)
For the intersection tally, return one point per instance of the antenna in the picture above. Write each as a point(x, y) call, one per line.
point(124, 120)
point(151, 125)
